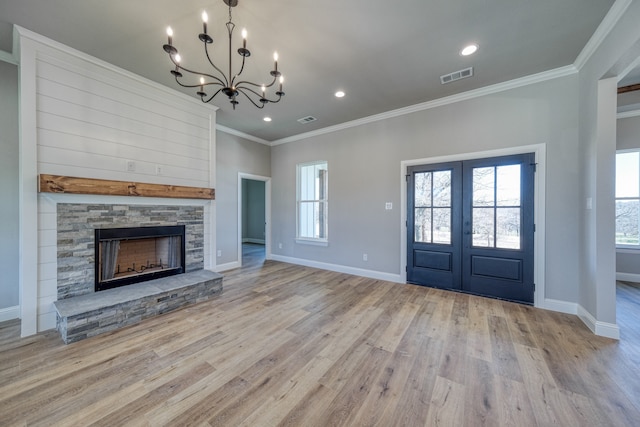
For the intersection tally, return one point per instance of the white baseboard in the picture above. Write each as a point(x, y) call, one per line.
point(250, 240)
point(9, 313)
point(560, 306)
point(227, 266)
point(603, 329)
point(372, 274)
point(628, 277)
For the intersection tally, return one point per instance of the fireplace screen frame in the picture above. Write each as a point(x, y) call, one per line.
point(135, 233)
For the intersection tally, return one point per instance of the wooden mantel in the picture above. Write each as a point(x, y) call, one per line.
point(104, 187)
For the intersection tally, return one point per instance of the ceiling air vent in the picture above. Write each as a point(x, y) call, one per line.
point(456, 75)
point(307, 119)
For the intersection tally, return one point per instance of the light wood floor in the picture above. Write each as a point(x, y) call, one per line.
point(295, 346)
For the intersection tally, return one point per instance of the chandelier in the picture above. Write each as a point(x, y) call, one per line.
point(229, 84)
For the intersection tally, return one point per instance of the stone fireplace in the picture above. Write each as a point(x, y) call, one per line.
point(77, 224)
point(102, 247)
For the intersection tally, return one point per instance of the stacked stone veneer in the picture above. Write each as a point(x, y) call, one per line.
point(76, 247)
point(93, 314)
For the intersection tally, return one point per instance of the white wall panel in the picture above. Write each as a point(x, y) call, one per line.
point(92, 120)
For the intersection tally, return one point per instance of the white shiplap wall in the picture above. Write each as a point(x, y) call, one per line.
point(91, 120)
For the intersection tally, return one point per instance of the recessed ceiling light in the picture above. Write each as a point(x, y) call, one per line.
point(339, 94)
point(469, 50)
point(267, 119)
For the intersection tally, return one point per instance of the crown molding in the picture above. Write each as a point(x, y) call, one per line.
point(608, 23)
point(8, 57)
point(242, 135)
point(476, 93)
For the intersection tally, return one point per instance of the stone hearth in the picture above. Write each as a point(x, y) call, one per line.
point(92, 314)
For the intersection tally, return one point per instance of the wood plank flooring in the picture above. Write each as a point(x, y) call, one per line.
point(295, 346)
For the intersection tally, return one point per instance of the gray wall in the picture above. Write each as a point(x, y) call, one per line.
point(597, 148)
point(9, 214)
point(628, 137)
point(364, 172)
point(234, 155)
point(253, 211)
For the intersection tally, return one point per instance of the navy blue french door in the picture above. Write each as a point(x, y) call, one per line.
point(470, 226)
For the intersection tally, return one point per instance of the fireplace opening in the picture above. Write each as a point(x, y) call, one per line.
point(130, 255)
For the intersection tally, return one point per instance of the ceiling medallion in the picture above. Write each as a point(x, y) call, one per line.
point(229, 84)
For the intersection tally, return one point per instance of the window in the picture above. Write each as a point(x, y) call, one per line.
point(312, 202)
point(628, 199)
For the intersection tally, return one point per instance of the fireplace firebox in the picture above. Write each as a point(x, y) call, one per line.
point(130, 255)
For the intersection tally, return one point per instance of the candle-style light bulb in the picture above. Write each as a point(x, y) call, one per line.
point(275, 60)
point(201, 83)
point(170, 35)
point(177, 57)
point(244, 38)
point(205, 18)
point(281, 81)
point(263, 90)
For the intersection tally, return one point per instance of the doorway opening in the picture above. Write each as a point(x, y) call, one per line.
point(254, 198)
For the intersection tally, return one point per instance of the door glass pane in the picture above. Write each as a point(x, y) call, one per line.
point(442, 188)
point(508, 185)
point(422, 196)
point(422, 225)
point(508, 228)
point(483, 227)
point(627, 220)
point(442, 225)
point(483, 186)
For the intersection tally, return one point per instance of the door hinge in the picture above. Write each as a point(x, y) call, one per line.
point(535, 167)
point(534, 287)
point(406, 177)
point(534, 228)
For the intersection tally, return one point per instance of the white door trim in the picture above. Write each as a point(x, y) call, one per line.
point(267, 213)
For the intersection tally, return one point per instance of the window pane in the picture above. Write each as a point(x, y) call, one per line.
point(483, 227)
point(422, 225)
point(306, 221)
point(627, 177)
point(442, 225)
point(422, 196)
point(627, 222)
point(508, 185)
point(508, 228)
point(442, 188)
point(483, 182)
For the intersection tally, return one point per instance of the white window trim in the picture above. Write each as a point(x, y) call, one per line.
point(621, 247)
point(310, 240)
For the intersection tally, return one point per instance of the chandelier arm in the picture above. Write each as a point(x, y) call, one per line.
point(240, 72)
point(240, 90)
point(212, 96)
point(256, 84)
point(226, 81)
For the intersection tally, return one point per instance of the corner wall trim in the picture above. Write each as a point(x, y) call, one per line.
point(372, 274)
point(603, 329)
point(9, 313)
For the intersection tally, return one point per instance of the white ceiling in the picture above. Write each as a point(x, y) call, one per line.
point(384, 54)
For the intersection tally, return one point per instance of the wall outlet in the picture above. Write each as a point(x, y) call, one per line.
point(279, 245)
point(131, 166)
point(365, 257)
point(158, 169)
point(219, 253)
point(388, 206)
